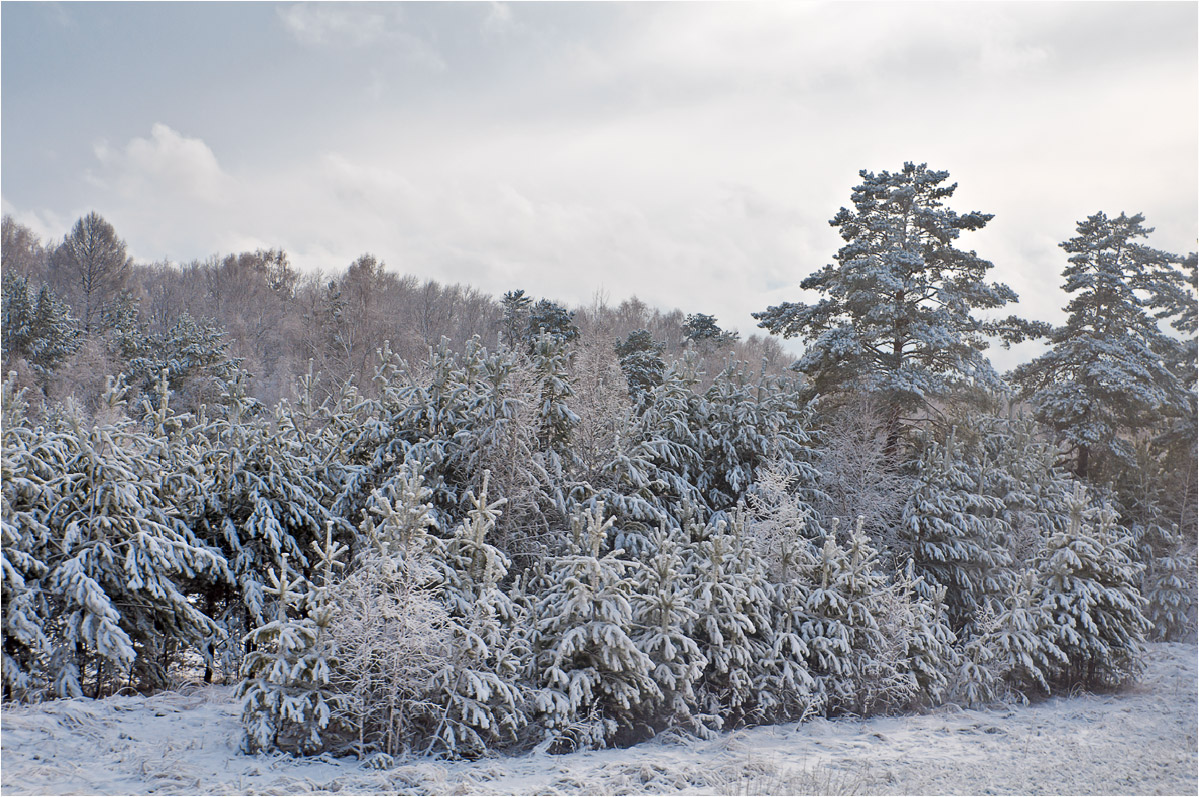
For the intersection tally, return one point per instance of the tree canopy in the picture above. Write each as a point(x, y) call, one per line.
point(1106, 374)
point(896, 317)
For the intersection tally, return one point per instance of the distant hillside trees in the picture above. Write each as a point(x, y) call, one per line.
point(37, 326)
point(93, 261)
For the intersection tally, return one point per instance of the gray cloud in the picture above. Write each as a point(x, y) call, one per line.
point(691, 154)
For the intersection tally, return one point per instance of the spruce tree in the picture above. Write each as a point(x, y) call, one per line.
point(287, 702)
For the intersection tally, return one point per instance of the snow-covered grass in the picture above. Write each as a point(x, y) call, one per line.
point(1139, 741)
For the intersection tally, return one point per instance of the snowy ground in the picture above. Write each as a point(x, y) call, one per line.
point(1142, 741)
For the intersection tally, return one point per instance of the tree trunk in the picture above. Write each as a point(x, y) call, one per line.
point(891, 446)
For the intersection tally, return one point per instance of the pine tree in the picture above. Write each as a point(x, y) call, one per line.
point(1092, 597)
point(896, 314)
point(668, 442)
point(193, 353)
point(421, 415)
point(485, 700)
point(594, 679)
point(857, 666)
point(743, 422)
point(702, 328)
point(1105, 377)
point(929, 655)
point(641, 360)
point(1018, 465)
point(108, 545)
point(951, 530)
point(548, 318)
point(1149, 501)
point(662, 615)
point(1168, 585)
point(552, 363)
point(733, 602)
point(36, 327)
point(287, 702)
point(1021, 642)
point(977, 681)
point(266, 498)
point(516, 316)
point(29, 465)
point(1176, 446)
point(461, 414)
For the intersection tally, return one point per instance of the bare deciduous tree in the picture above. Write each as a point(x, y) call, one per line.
point(23, 253)
point(856, 476)
point(93, 261)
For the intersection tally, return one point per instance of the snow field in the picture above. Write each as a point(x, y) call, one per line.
point(1140, 741)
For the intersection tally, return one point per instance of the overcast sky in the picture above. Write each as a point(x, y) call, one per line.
point(687, 153)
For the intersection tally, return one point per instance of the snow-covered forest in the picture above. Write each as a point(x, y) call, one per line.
point(403, 519)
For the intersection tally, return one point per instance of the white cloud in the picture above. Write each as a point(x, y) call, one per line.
point(800, 47)
point(166, 165)
point(352, 25)
point(499, 19)
point(331, 24)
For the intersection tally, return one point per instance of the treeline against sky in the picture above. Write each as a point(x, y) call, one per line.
point(585, 528)
point(255, 309)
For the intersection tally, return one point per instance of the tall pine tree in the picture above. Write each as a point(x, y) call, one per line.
point(896, 317)
point(1106, 376)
